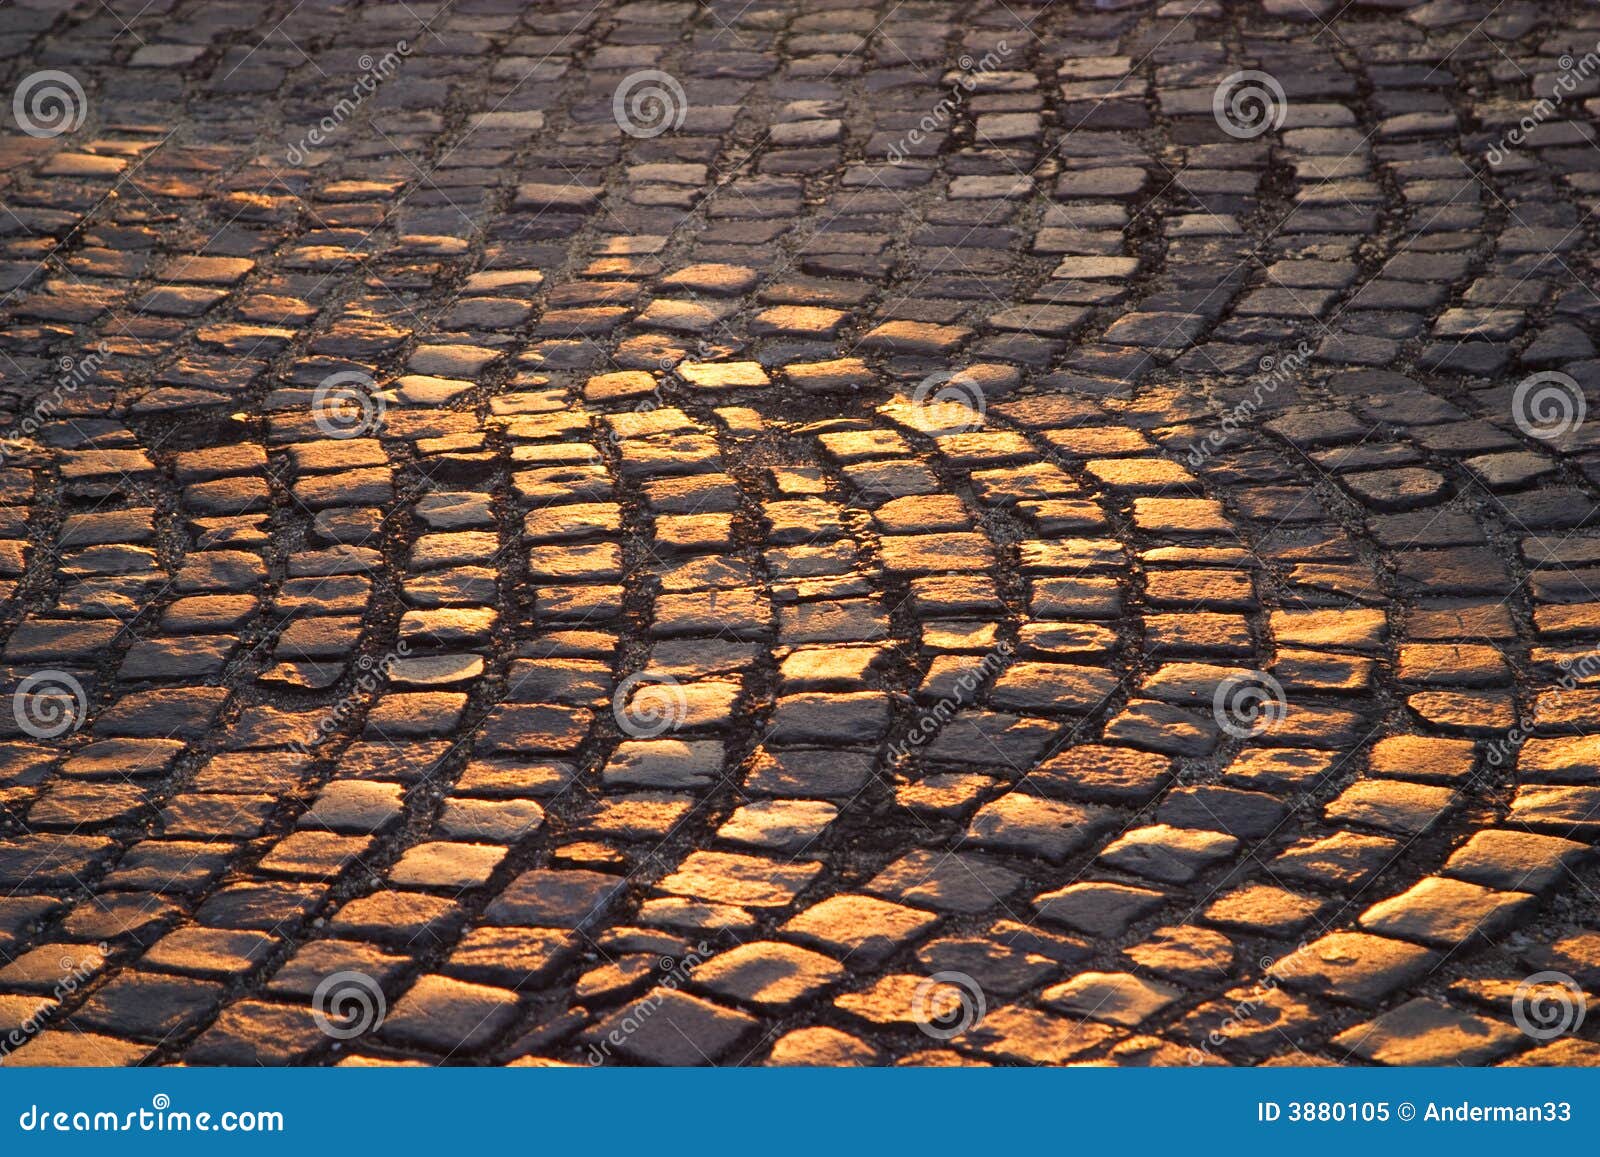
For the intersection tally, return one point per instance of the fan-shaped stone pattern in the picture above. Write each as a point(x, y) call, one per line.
point(945, 553)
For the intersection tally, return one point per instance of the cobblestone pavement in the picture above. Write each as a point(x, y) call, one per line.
point(799, 532)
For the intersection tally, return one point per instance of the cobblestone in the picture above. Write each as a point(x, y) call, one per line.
point(927, 536)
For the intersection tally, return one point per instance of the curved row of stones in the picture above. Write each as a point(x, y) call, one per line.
point(669, 668)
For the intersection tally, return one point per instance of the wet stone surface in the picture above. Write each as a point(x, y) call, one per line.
point(798, 534)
